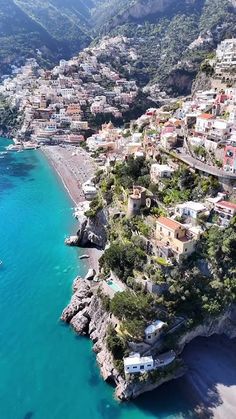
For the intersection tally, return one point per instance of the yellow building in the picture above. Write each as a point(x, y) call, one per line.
point(175, 236)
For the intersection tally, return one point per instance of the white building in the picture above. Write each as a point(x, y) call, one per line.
point(89, 190)
point(153, 331)
point(204, 123)
point(190, 209)
point(160, 171)
point(221, 129)
point(226, 54)
point(226, 211)
point(136, 364)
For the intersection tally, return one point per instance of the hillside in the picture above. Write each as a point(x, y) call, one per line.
point(46, 29)
point(172, 37)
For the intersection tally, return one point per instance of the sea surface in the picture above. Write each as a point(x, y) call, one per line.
point(46, 371)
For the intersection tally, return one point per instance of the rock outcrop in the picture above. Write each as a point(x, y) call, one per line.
point(92, 231)
point(86, 315)
point(80, 300)
point(223, 324)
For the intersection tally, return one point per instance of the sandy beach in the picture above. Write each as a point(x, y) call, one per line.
point(74, 167)
point(211, 379)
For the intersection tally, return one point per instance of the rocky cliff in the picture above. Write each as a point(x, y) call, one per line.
point(223, 324)
point(87, 316)
point(92, 231)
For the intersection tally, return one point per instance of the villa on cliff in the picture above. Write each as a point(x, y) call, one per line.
point(174, 239)
point(154, 331)
point(135, 363)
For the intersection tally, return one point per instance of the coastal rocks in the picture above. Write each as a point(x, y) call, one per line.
point(87, 316)
point(90, 275)
point(128, 390)
point(79, 300)
point(80, 322)
point(71, 241)
point(92, 231)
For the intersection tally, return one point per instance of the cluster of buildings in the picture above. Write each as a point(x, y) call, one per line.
point(57, 105)
point(226, 60)
point(174, 239)
point(137, 363)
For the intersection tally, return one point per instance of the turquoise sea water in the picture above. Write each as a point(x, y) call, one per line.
point(46, 371)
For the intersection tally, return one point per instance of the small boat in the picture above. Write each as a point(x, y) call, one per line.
point(84, 256)
point(14, 147)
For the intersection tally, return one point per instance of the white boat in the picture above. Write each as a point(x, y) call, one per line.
point(84, 256)
point(14, 147)
point(29, 146)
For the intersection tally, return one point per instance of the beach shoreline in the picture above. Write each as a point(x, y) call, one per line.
point(209, 381)
point(211, 377)
point(73, 170)
point(73, 166)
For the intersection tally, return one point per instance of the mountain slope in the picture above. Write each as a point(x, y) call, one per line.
point(172, 36)
point(57, 31)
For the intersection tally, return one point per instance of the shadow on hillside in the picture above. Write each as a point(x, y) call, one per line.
point(212, 371)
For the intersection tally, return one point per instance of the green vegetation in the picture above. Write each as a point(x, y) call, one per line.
point(60, 29)
point(51, 26)
point(9, 116)
point(200, 151)
point(195, 295)
point(115, 344)
point(123, 258)
point(134, 310)
point(134, 171)
point(163, 41)
point(185, 185)
point(95, 206)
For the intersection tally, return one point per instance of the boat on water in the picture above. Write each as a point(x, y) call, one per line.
point(21, 146)
point(30, 146)
point(84, 257)
point(3, 153)
point(14, 147)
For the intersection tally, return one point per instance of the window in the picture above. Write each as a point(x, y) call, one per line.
point(149, 337)
point(148, 365)
point(127, 368)
point(177, 235)
point(186, 250)
point(169, 233)
point(141, 367)
point(135, 367)
point(160, 228)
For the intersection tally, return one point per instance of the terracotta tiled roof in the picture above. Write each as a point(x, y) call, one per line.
point(206, 116)
point(169, 223)
point(226, 204)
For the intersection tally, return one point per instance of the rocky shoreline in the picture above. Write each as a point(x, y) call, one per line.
point(86, 315)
